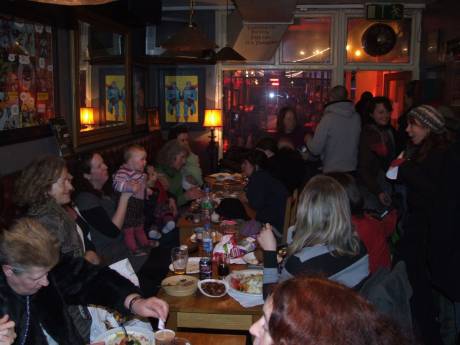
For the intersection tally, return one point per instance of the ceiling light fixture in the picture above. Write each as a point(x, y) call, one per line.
point(227, 53)
point(190, 39)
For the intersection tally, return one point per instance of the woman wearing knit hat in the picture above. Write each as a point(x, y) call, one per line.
point(420, 173)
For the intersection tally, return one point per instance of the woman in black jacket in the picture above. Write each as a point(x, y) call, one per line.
point(36, 286)
point(421, 174)
point(377, 148)
point(266, 195)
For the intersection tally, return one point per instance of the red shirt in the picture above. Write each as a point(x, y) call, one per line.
point(374, 234)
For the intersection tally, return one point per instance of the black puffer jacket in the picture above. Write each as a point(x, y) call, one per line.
point(71, 282)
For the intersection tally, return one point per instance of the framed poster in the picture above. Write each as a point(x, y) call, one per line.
point(112, 96)
point(139, 92)
point(182, 96)
point(26, 78)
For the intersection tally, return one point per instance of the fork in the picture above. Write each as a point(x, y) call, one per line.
point(128, 341)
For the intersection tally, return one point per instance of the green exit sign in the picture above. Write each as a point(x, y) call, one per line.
point(385, 11)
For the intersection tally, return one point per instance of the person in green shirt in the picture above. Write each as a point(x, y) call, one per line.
point(171, 159)
point(191, 171)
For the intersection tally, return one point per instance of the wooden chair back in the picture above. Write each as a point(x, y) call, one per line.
point(290, 213)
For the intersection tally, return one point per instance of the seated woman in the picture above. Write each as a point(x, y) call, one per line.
point(265, 194)
point(317, 311)
point(191, 171)
point(99, 209)
point(36, 286)
point(171, 160)
point(44, 190)
point(324, 241)
point(286, 163)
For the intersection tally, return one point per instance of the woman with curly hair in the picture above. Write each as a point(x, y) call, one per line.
point(316, 311)
point(44, 189)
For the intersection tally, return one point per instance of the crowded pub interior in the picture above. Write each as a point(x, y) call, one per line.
point(229, 172)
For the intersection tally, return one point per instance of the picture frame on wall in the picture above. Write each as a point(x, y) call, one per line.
point(112, 96)
point(140, 77)
point(182, 97)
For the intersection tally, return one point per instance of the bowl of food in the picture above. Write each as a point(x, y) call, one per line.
point(213, 288)
point(116, 336)
point(180, 285)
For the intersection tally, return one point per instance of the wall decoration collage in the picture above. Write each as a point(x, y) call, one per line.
point(26, 73)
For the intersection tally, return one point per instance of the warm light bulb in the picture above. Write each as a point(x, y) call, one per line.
point(302, 52)
point(86, 116)
point(358, 53)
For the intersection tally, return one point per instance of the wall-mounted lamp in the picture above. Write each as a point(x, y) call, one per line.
point(213, 119)
point(87, 116)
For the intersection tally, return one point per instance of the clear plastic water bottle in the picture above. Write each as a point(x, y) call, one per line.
point(207, 241)
point(206, 205)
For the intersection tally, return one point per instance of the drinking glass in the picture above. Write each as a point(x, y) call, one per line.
point(179, 258)
point(164, 337)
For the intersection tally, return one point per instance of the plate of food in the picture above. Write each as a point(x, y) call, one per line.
point(250, 258)
point(193, 265)
point(116, 336)
point(246, 282)
point(213, 288)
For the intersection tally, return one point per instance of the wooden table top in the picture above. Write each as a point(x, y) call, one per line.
point(198, 303)
point(206, 338)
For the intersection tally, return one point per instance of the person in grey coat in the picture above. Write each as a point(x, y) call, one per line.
point(336, 138)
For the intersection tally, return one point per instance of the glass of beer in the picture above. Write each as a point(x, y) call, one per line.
point(179, 258)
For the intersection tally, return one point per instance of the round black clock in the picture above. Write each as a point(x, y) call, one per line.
point(379, 39)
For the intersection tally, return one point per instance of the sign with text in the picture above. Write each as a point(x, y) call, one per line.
point(258, 42)
point(385, 11)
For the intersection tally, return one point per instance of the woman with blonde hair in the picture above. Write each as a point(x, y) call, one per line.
point(324, 242)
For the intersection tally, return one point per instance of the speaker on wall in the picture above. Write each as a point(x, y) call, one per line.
point(379, 39)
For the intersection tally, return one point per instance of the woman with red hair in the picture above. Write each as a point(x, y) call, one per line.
point(316, 311)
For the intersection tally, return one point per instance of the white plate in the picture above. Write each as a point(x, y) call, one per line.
point(251, 259)
point(212, 281)
point(115, 335)
point(193, 265)
point(236, 274)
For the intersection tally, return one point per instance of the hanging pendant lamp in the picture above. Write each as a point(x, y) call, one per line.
point(190, 39)
point(74, 2)
point(227, 53)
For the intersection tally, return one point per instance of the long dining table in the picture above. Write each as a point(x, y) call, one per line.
point(200, 312)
